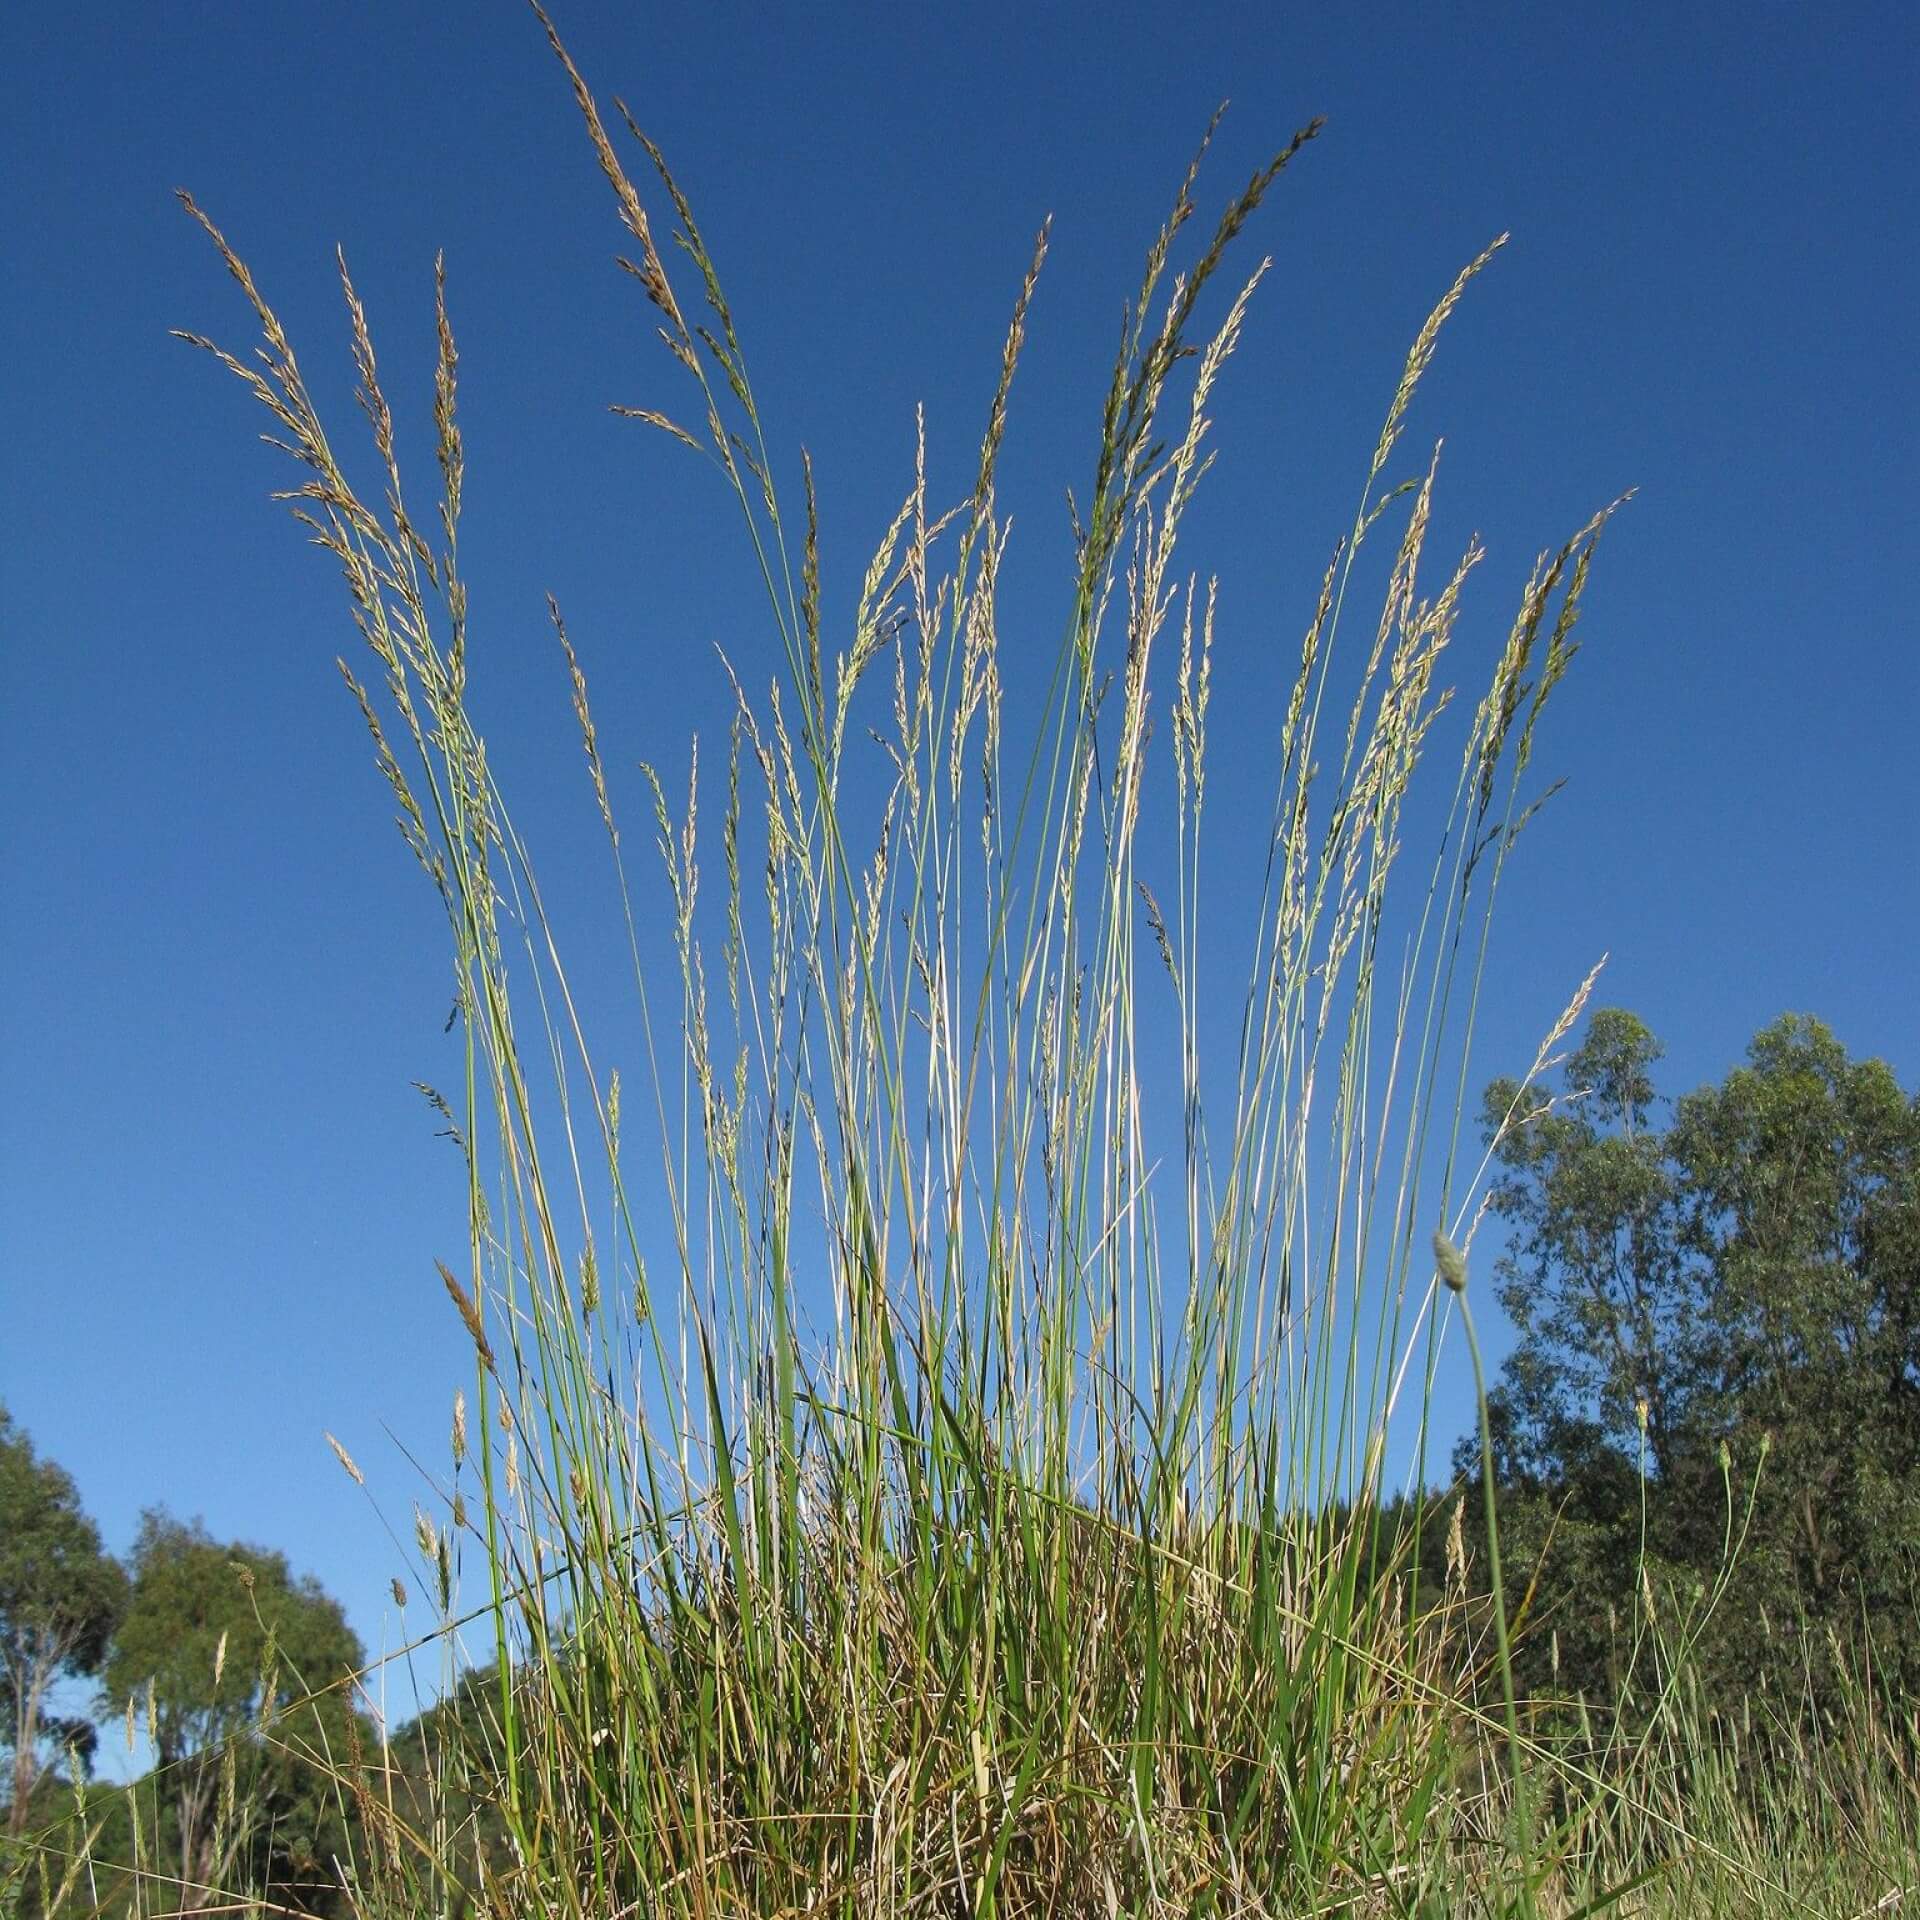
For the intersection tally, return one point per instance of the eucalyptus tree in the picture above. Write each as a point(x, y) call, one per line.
point(60, 1598)
point(242, 1673)
point(1717, 1363)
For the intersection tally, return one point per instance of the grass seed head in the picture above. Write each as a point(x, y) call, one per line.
point(346, 1460)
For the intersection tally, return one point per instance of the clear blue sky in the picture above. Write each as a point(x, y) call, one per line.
point(220, 1200)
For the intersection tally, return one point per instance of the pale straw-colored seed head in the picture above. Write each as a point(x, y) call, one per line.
point(346, 1460)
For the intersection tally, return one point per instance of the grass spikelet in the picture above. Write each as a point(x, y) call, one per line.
point(346, 1460)
point(469, 1315)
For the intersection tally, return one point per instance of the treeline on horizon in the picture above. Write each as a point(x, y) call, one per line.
point(1705, 1453)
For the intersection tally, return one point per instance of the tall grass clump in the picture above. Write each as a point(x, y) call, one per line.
point(929, 1420)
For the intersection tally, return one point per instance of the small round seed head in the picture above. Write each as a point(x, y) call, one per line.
point(1451, 1262)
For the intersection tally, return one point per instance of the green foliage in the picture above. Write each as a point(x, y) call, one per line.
point(60, 1596)
point(1719, 1358)
point(429, 1806)
point(1803, 1175)
point(239, 1672)
point(1601, 1281)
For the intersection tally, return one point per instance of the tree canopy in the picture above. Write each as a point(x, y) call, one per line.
point(241, 1669)
point(60, 1598)
point(1717, 1303)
